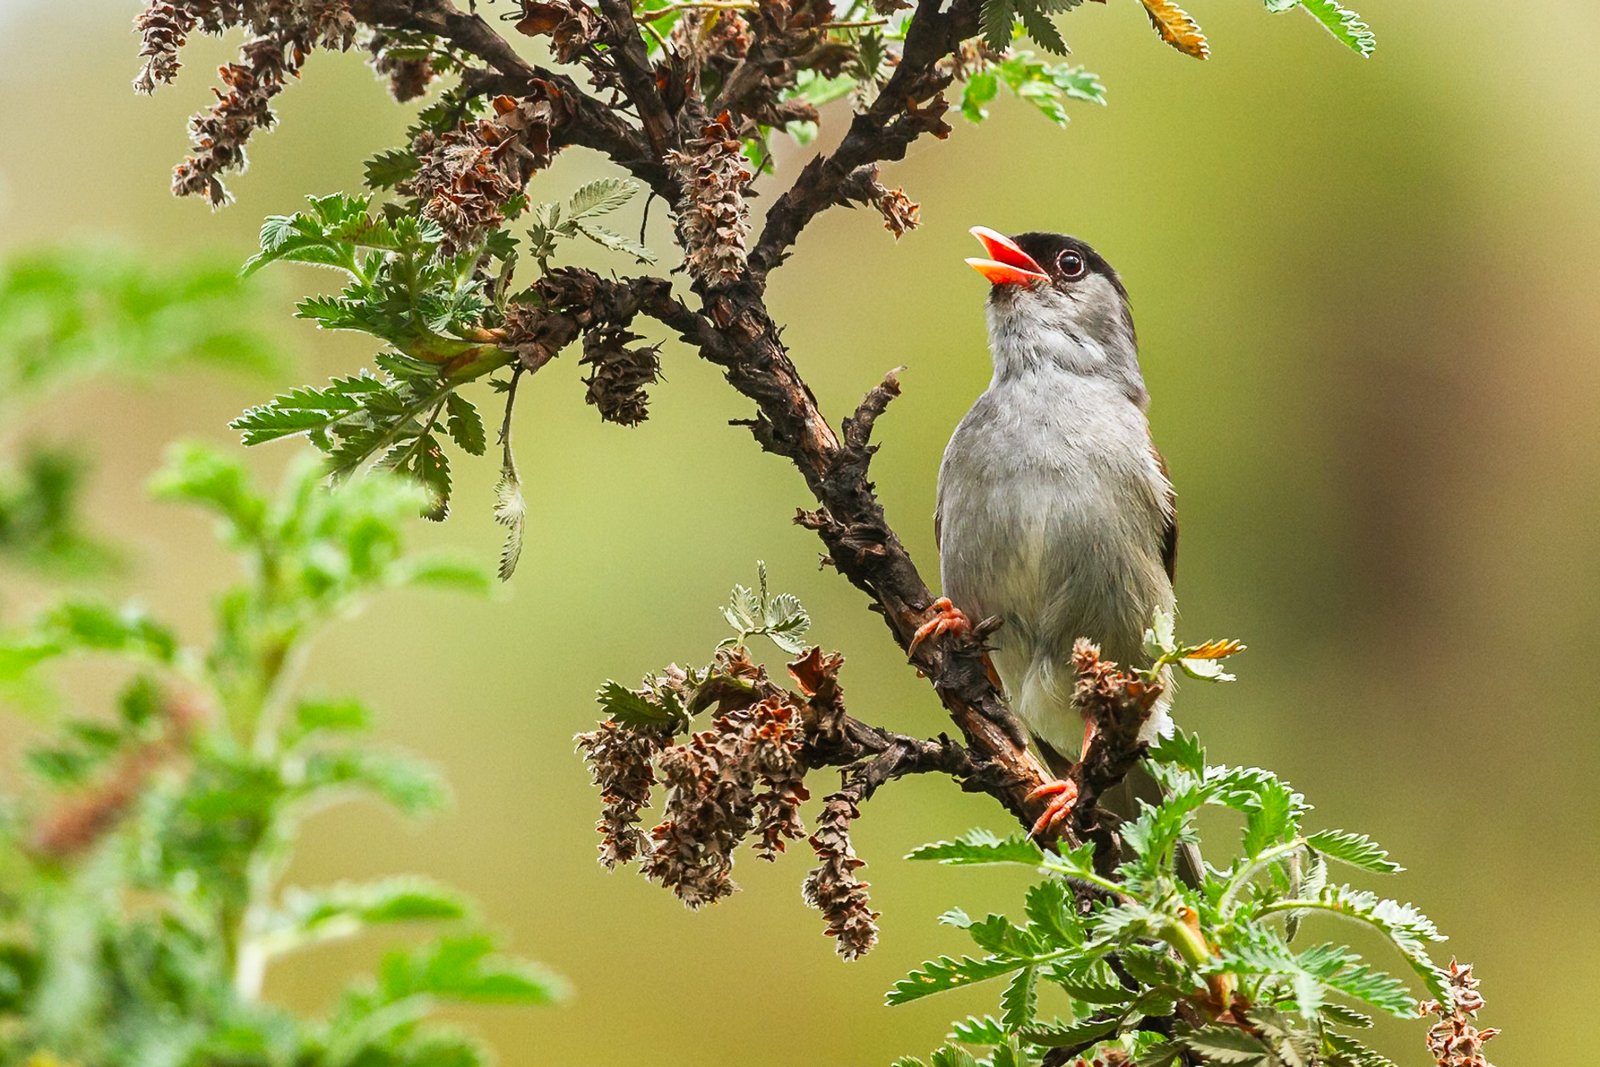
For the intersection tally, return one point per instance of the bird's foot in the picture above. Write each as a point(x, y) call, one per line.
point(947, 619)
point(1063, 797)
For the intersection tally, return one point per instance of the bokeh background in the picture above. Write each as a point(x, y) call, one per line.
point(1369, 300)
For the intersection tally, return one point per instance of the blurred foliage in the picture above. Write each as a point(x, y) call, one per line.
point(73, 314)
point(142, 903)
point(40, 524)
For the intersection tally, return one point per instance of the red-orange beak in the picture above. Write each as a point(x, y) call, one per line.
point(1007, 264)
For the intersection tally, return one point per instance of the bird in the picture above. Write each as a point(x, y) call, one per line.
point(1055, 513)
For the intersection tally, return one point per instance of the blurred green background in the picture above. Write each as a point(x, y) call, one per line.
point(1369, 300)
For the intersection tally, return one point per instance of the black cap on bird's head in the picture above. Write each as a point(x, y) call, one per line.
point(1054, 298)
point(1040, 258)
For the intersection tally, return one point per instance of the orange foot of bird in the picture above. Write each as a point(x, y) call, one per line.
point(947, 619)
point(1063, 795)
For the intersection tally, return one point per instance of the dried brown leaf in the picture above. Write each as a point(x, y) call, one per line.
point(1177, 28)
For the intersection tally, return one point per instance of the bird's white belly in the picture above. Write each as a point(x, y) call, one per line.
point(1052, 518)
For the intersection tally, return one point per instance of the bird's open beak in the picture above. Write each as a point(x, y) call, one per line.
point(1007, 264)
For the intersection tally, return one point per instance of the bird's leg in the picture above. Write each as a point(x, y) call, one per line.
point(1063, 794)
point(947, 618)
point(950, 619)
point(1063, 791)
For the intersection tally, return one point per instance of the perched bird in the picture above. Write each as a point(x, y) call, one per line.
point(1055, 513)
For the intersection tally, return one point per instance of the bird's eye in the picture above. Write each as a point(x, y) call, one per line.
point(1071, 265)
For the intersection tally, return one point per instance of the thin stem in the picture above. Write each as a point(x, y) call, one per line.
point(1077, 874)
point(697, 5)
point(1245, 873)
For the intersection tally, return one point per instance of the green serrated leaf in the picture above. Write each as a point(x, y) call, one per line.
point(947, 972)
point(1356, 850)
point(975, 1030)
point(1346, 1051)
point(1343, 1015)
point(1070, 1035)
point(637, 710)
point(510, 511)
point(1181, 750)
point(1227, 1045)
point(981, 847)
point(1019, 1001)
point(998, 17)
point(465, 424)
point(614, 241)
point(600, 196)
point(1345, 25)
point(1041, 28)
point(1109, 994)
point(388, 169)
point(306, 409)
point(1053, 914)
point(952, 1056)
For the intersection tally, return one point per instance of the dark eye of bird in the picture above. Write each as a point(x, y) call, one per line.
point(1071, 265)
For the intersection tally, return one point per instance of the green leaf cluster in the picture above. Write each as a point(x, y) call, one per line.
point(1113, 949)
point(144, 862)
point(780, 618)
point(427, 306)
point(1047, 86)
point(668, 702)
point(553, 223)
point(1001, 19)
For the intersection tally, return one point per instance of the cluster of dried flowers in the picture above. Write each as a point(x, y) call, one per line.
point(571, 26)
point(467, 174)
point(713, 220)
point(900, 212)
point(742, 779)
point(1455, 1039)
point(619, 372)
point(409, 67)
point(738, 778)
point(622, 761)
point(284, 33)
point(833, 888)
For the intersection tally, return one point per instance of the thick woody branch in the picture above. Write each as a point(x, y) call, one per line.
point(908, 107)
point(734, 331)
point(592, 125)
point(630, 60)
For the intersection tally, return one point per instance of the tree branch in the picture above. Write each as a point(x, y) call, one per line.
point(734, 331)
point(592, 123)
point(883, 132)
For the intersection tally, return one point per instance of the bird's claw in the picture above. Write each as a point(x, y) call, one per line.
point(947, 619)
point(1063, 797)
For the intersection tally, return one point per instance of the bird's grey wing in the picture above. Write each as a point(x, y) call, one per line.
point(1169, 536)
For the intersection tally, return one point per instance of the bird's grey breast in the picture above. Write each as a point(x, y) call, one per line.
point(1052, 512)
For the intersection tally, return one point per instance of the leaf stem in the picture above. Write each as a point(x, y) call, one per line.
point(1248, 871)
